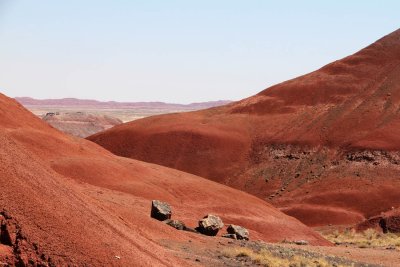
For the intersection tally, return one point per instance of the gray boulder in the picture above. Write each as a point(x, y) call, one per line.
point(160, 210)
point(240, 232)
point(210, 225)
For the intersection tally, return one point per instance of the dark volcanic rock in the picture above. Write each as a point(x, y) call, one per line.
point(240, 232)
point(210, 225)
point(160, 210)
point(179, 225)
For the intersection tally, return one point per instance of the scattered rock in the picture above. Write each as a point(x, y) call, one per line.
point(232, 236)
point(179, 225)
point(301, 242)
point(240, 232)
point(160, 210)
point(188, 229)
point(210, 225)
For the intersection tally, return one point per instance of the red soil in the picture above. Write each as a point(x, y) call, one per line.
point(79, 204)
point(323, 146)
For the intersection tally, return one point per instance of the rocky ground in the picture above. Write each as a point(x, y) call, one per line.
point(225, 252)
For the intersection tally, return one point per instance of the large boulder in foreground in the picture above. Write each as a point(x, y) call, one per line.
point(210, 225)
point(160, 210)
point(240, 232)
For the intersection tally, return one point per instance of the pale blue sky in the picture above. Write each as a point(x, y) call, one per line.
point(177, 51)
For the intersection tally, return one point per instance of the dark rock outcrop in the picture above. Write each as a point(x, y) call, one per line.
point(387, 222)
point(24, 252)
point(210, 225)
point(160, 210)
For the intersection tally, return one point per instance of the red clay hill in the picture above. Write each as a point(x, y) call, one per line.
point(323, 147)
point(67, 201)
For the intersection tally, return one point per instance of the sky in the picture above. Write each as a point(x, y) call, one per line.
point(177, 51)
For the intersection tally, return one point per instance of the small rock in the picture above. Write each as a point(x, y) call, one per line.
point(179, 225)
point(188, 229)
point(160, 210)
point(210, 225)
point(301, 242)
point(391, 247)
point(232, 236)
point(240, 232)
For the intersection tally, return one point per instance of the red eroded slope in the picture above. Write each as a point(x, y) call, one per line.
point(323, 147)
point(76, 203)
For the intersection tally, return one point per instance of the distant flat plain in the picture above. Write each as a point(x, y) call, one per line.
point(125, 111)
point(125, 115)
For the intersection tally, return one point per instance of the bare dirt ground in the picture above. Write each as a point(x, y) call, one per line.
point(217, 252)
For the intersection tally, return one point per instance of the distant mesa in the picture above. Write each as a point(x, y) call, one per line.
point(80, 124)
point(75, 102)
point(323, 147)
point(82, 118)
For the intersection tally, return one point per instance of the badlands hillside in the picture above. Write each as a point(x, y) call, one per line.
point(66, 201)
point(323, 147)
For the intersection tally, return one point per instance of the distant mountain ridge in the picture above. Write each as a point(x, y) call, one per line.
point(75, 102)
